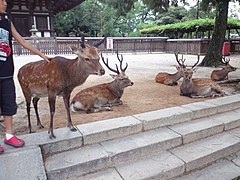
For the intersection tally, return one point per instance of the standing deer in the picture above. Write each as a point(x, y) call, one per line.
point(103, 96)
point(171, 79)
point(219, 75)
point(58, 78)
point(198, 87)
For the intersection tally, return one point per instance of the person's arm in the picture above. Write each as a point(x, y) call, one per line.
point(26, 44)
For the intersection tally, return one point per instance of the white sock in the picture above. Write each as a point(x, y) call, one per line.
point(8, 136)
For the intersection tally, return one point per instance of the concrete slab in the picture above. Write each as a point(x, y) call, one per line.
point(200, 153)
point(164, 117)
point(109, 129)
point(222, 170)
point(230, 119)
point(163, 166)
point(227, 103)
point(24, 164)
point(65, 140)
point(201, 109)
point(108, 174)
point(197, 129)
point(77, 162)
point(141, 145)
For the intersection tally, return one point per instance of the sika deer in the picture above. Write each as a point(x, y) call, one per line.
point(171, 79)
point(219, 75)
point(103, 96)
point(198, 87)
point(58, 78)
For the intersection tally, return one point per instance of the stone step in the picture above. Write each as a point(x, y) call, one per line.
point(100, 145)
point(181, 160)
point(221, 170)
point(97, 132)
point(130, 148)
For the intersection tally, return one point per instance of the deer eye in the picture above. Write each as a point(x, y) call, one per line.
point(87, 59)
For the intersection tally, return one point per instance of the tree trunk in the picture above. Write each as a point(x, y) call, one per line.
point(214, 52)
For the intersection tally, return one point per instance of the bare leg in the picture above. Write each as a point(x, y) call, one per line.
point(8, 123)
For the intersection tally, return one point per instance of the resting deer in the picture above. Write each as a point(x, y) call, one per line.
point(58, 78)
point(103, 96)
point(198, 87)
point(171, 79)
point(219, 75)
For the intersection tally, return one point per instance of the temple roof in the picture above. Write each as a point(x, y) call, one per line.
point(64, 5)
point(54, 5)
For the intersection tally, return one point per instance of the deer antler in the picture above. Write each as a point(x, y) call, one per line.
point(181, 64)
point(225, 60)
point(83, 42)
point(106, 63)
point(196, 62)
point(121, 60)
point(100, 42)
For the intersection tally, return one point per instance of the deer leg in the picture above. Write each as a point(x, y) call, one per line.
point(28, 102)
point(35, 105)
point(66, 98)
point(51, 101)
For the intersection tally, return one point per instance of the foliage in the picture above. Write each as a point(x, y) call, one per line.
point(188, 26)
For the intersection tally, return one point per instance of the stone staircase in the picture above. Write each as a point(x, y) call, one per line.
point(195, 141)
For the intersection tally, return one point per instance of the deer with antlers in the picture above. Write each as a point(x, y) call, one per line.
point(222, 74)
point(171, 79)
point(58, 78)
point(103, 96)
point(198, 87)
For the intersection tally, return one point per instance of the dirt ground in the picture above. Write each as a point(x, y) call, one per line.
point(145, 95)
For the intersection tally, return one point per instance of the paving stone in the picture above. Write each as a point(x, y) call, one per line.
point(162, 166)
point(230, 119)
point(200, 153)
point(108, 174)
point(25, 164)
point(76, 162)
point(201, 109)
point(65, 140)
point(197, 129)
point(227, 103)
point(109, 129)
point(222, 170)
point(140, 145)
point(164, 117)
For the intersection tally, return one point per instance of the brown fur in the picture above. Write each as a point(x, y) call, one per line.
point(57, 78)
point(222, 74)
point(103, 96)
point(169, 79)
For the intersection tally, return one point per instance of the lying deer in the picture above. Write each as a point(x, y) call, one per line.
point(198, 87)
point(103, 96)
point(219, 75)
point(171, 79)
point(58, 78)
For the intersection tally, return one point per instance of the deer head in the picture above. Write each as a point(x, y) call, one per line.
point(121, 78)
point(188, 72)
point(227, 66)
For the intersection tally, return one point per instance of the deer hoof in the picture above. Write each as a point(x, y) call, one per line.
point(73, 129)
point(40, 126)
point(51, 136)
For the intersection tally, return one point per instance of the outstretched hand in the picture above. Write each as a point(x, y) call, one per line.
point(46, 58)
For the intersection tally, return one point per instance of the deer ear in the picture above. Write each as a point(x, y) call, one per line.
point(74, 49)
point(113, 76)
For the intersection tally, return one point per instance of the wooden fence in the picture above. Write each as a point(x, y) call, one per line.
point(60, 45)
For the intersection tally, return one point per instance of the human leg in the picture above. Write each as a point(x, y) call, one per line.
point(9, 108)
